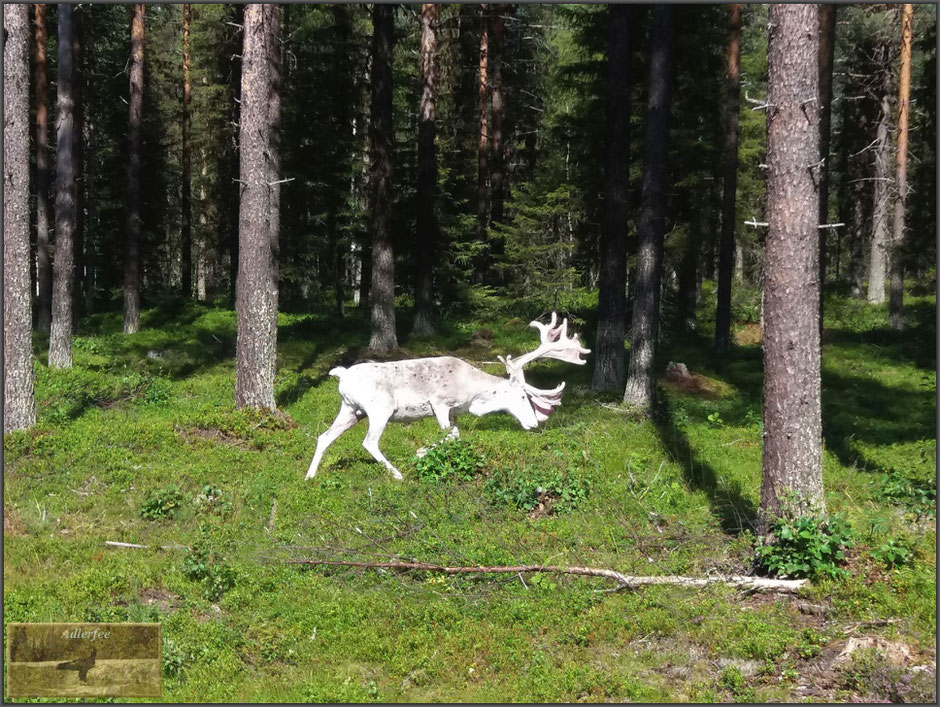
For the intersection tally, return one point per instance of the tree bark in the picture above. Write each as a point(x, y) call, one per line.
point(641, 378)
point(857, 187)
point(259, 214)
point(896, 302)
point(186, 198)
point(19, 410)
point(612, 302)
point(40, 94)
point(134, 127)
point(497, 119)
point(78, 125)
point(792, 463)
point(426, 226)
point(827, 46)
point(729, 193)
point(88, 262)
point(383, 339)
point(877, 272)
point(63, 270)
point(483, 137)
point(233, 193)
point(688, 273)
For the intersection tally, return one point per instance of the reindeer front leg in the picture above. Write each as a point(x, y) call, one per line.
point(443, 415)
point(377, 422)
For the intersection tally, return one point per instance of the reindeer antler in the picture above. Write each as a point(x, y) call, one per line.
point(555, 344)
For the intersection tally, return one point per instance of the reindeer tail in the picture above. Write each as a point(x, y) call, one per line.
point(338, 371)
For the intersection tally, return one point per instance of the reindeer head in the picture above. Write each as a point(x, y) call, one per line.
point(531, 405)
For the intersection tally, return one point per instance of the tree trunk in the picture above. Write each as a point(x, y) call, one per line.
point(896, 303)
point(19, 410)
point(364, 253)
point(726, 245)
point(879, 241)
point(641, 378)
point(792, 460)
point(338, 266)
point(827, 46)
point(63, 271)
point(688, 274)
point(483, 137)
point(186, 198)
point(426, 226)
point(857, 185)
point(497, 119)
point(132, 233)
point(86, 204)
point(609, 352)
point(259, 214)
point(381, 142)
point(43, 259)
point(78, 91)
point(858, 241)
point(233, 192)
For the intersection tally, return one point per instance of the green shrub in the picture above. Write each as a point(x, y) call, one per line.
point(450, 459)
point(162, 503)
point(808, 546)
point(173, 658)
point(211, 500)
point(894, 553)
point(528, 486)
point(918, 497)
point(206, 566)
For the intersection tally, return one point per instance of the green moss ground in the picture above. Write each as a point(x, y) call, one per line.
point(672, 494)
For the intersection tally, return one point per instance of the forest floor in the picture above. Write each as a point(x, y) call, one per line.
point(140, 443)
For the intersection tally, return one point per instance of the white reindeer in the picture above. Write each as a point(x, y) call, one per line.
point(444, 387)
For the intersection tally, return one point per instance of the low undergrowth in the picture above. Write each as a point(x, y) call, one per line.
point(140, 443)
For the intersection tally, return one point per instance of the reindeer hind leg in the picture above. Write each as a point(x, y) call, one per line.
point(346, 418)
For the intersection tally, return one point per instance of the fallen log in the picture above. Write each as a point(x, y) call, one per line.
point(624, 581)
point(135, 546)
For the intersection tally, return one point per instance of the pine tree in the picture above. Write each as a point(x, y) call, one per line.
point(381, 147)
point(497, 161)
point(609, 351)
point(483, 129)
point(896, 303)
point(256, 306)
point(78, 127)
point(19, 411)
point(730, 182)
point(43, 259)
point(827, 45)
point(134, 159)
point(641, 378)
point(63, 269)
point(878, 262)
point(187, 244)
point(426, 227)
point(792, 457)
